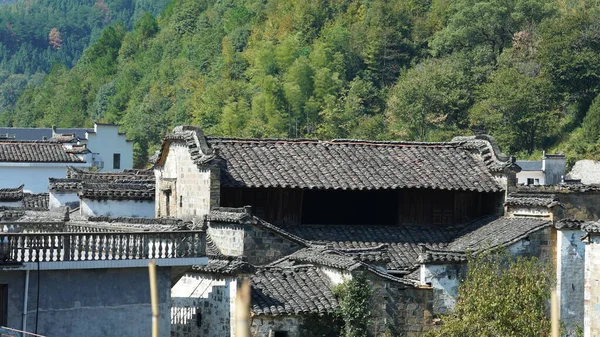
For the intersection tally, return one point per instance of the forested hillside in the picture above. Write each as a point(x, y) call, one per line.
point(526, 71)
point(34, 34)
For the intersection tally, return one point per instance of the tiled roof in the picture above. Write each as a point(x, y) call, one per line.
point(130, 174)
point(466, 163)
point(530, 165)
point(41, 133)
point(243, 216)
point(324, 257)
point(291, 291)
point(532, 200)
point(350, 165)
point(226, 266)
point(591, 227)
point(484, 234)
point(36, 201)
point(64, 184)
point(401, 243)
point(117, 191)
point(36, 152)
point(569, 224)
point(11, 194)
point(133, 224)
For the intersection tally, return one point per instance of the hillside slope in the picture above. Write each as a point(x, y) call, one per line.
point(526, 71)
point(34, 34)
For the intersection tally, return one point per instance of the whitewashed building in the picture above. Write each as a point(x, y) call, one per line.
point(548, 171)
point(31, 163)
point(111, 150)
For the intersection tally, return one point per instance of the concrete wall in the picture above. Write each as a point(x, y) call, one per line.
point(524, 175)
point(592, 287)
point(34, 176)
point(570, 264)
point(91, 303)
point(117, 208)
point(193, 190)
point(258, 245)
point(58, 199)
point(212, 296)
point(554, 170)
point(107, 141)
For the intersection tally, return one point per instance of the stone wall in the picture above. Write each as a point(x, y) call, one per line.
point(399, 309)
point(570, 264)
point(579, 203)
point(195, 189)
point(258, 245)
point(592, 287)
point(90, 302)
point(203, 305)
point(266, 326)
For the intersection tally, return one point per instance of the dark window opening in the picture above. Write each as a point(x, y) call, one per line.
point(180, 201)
point(167, 203)
point(280, 334)
point(116, 161)
point(349, 207)
point(3, 304)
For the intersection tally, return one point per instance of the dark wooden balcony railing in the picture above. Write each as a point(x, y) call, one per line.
point(98, 246)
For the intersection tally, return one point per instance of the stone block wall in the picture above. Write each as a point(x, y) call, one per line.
point(399, 309)
point(266, 326)
point(196, 189)
point(592, 287)
point(258, 245)
point(203, 305)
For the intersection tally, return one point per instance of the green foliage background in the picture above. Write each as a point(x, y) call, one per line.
point(525, 71)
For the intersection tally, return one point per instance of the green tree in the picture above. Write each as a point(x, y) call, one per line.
point(354, 298)
point(430, 98)
point(519, 110)
point(489, 22)
point(501, 295)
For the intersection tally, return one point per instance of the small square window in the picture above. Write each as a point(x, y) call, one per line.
point(530, 181)
point(116, 161)
point(280, 334)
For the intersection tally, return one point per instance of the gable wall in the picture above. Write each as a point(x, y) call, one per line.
point(195, 190)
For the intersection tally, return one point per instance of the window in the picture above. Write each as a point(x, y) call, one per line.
point(537, 181)
point(530, 181)
point(280, 334)
point(116, 161)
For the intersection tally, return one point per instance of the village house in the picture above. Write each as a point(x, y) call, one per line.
point(31, 163)
point(111, 150)
point(411, 211)
point(550, 170)
point(127, 193)
point(65, 276)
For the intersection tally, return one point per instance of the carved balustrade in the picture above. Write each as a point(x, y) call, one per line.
point(98, 246)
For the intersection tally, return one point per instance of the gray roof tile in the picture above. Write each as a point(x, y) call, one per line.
point(36, 152)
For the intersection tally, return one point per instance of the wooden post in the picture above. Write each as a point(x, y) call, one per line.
point(153, 297)
point(242, 310)
point(554, 314)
